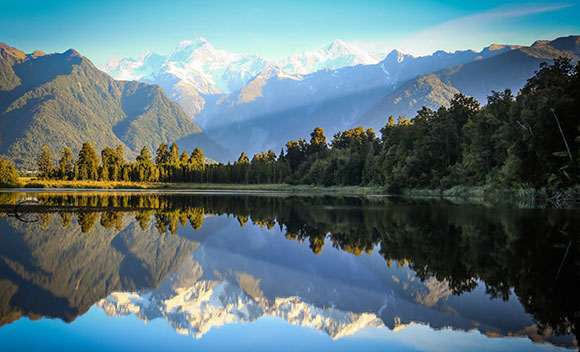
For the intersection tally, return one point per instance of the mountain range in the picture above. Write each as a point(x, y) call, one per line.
point(63, 99)
point(239, 275)
point(265, 104)
point(510, 70)
point(242, 102)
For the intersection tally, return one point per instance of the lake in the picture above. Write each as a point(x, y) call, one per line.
point(152, 270)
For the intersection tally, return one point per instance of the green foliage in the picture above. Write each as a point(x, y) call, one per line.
point(243, 159)
point(533, 139)
point(87, 165)
point(63, 99)
point(45, 165)
point(65, 165)
point(8, 174)
point(197, 158)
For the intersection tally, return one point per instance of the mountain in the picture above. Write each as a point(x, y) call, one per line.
point(57, 269)
point(276, 106)
point(197, 308)
point(195, 74)
point(337, 54)
point(509, 69)
point(239, 275)
point(63, 99)
point(192, 74)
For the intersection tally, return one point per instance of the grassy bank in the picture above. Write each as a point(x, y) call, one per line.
point(87, 184)
point(522, 196)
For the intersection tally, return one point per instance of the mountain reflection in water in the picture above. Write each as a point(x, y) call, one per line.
point(201, 261)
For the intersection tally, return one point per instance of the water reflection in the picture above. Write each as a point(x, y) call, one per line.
point(166, 255)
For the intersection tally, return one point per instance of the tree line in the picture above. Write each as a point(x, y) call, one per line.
point(532, 138)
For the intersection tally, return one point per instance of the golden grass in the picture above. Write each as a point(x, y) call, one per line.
point(87, 184)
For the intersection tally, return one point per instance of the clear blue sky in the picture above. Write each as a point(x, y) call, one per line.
point(274, 29)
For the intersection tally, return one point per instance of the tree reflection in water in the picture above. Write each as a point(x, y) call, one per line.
point(532, 253)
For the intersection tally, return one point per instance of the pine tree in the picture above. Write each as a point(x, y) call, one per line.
point(243, 159)
point(184, 159)
point(317, 141)
point(161, 156)
point(120, 155)
point(197, 158)
point(65, 164)
point(174, 154)
point(45, 165)
point(87, 163)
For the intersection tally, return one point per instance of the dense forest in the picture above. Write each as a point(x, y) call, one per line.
point(531, 139)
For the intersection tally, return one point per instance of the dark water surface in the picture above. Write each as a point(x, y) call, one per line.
point(151, 270)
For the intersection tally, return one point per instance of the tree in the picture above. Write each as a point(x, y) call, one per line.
point(296, 153)
point(145, 170)
point(87, 164)
point(65, 164)
point(45, 165)
point(111, 165)
point(184, 159)
point(197, 158)
point(174, 154)
point(120, 155)
point(144, 158)
point(8, 174)
point(544, 126)
point(317, 141)
point(243, 159)
point(161, 156)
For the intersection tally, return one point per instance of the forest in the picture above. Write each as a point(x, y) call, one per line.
point(531, 139)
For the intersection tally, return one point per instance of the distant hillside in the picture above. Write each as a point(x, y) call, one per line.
point(63, 99)
point(276, 106)
point(478, 78)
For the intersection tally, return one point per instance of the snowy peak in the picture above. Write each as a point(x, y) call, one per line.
point(207, 304)
point(190, 51)
point(337, 54)
point(339, 48)
point(397, 56)
point(195, 63)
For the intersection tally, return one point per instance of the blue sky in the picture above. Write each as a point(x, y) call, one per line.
point(275, 29)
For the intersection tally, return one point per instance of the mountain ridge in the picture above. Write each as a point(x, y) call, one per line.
point(509, 69)
point(63, 99)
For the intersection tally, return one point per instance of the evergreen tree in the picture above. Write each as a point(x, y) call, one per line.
point(197, 158)
point(184, 159)
point(161, 156)
point(120, 155)
point(87, 164)
point(45, 165)
point(317, 141)
point(8, 174)
point(65, 164)
point(174, 154)
point(243, 159)
point(144, 158)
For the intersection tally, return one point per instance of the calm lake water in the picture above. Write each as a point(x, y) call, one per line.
point(185, 270)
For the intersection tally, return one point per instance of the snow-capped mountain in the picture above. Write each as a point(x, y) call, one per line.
point(195, 62)
point(337, 54)
point(256, 105)
point(197, 309)
point(196, 73)
point(277, 107)
point(192, 73)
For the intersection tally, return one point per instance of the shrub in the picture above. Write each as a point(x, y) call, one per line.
point(8, 174)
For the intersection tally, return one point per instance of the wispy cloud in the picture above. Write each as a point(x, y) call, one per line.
point(469, 31)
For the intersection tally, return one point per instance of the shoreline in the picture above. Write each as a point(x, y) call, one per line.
point(522, 196)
